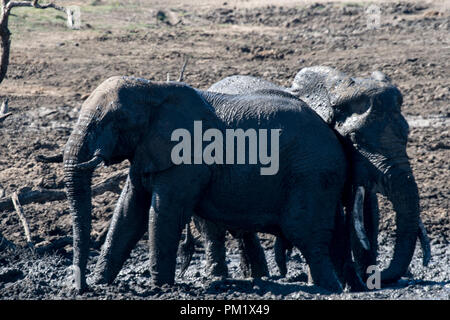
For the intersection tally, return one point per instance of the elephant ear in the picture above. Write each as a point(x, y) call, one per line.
point(356, 102)
point(344, 102)
point(351, 109)
point(179, 109)
point(314, 85)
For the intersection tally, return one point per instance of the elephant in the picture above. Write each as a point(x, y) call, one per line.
point(133, 119)
point(365, 113)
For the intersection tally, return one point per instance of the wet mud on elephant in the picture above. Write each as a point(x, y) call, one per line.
point(133, 119)
point(366, 114)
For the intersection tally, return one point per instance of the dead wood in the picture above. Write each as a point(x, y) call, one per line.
point(57, 158)
point(5, 34)
point(23, 219)
point(45, 195)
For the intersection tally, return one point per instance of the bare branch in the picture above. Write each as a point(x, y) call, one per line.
point(4, 111)
point(44, 195)
point(110, 184)
point(34, 4)
point(4, 116)
point(57, 158)
point(5, 34)
point(34, 196)
point(186, 59)
point(20, 213)
point(55, 245)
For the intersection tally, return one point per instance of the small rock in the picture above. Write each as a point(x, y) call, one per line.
point(169, 17)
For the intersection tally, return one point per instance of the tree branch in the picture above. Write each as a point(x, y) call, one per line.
point(34, 4)
point(45, 195)
point(183, 68)
point(57, 158)
point(20, 213)
point(4, 116)
point(4, 111)
point(5, 34)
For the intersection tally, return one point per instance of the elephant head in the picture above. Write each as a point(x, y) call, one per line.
point(124, 118)
point(367, 114)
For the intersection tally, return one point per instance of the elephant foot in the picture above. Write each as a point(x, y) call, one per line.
point(162, 281)
point(253, 260)
point(217, 270)
point(105, 271)
point(74, 291)
point(323, 274)
point(353, 280)
point(101, 279)
point(283, 249)
point(331, 287)
point(79, 284)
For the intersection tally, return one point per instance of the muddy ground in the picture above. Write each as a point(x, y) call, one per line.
point(53, 69)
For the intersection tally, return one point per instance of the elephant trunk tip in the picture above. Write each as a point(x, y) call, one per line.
point(404, 195)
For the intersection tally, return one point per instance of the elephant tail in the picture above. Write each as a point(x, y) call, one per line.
point(187, 249)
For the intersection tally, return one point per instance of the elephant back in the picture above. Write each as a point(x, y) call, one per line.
point(239, 84)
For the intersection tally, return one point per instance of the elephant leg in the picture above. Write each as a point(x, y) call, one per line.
point(175, 194)
point(321, 268)
point(214, 240)
point(338, 245)
point(165, 226)
point(281, 248)
point(127, 227)
point(253, 259)
point(341, 256)
point(309, 226)
point(365, 258)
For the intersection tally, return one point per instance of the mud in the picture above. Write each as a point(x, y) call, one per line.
point(53, 70)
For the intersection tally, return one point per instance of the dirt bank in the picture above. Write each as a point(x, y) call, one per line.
point(53, 69)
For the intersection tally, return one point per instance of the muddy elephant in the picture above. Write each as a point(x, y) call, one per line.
point(134, 119)
point(366, 115)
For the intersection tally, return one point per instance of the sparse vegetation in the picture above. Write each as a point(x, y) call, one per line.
point(53, 70)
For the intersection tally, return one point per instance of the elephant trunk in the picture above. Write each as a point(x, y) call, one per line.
point(78, 188)
point(401, 190)
point(78, 178)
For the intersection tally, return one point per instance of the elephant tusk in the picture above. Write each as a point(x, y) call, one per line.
point(425, 243)
point(91, 164)
point(77, 277)
point(358, 208)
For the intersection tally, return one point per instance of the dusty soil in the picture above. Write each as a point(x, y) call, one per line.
point(53, 69)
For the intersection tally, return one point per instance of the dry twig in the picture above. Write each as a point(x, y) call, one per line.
point(45, 195)
point(183, 68)
point(57, 158)
point(4, 110)
point(20, 213)
point(55, 245)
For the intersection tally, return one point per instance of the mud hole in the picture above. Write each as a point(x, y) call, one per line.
point(53, 69)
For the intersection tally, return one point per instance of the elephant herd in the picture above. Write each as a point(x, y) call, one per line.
point(340, 141)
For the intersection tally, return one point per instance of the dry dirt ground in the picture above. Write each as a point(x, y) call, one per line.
point(53, 69)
